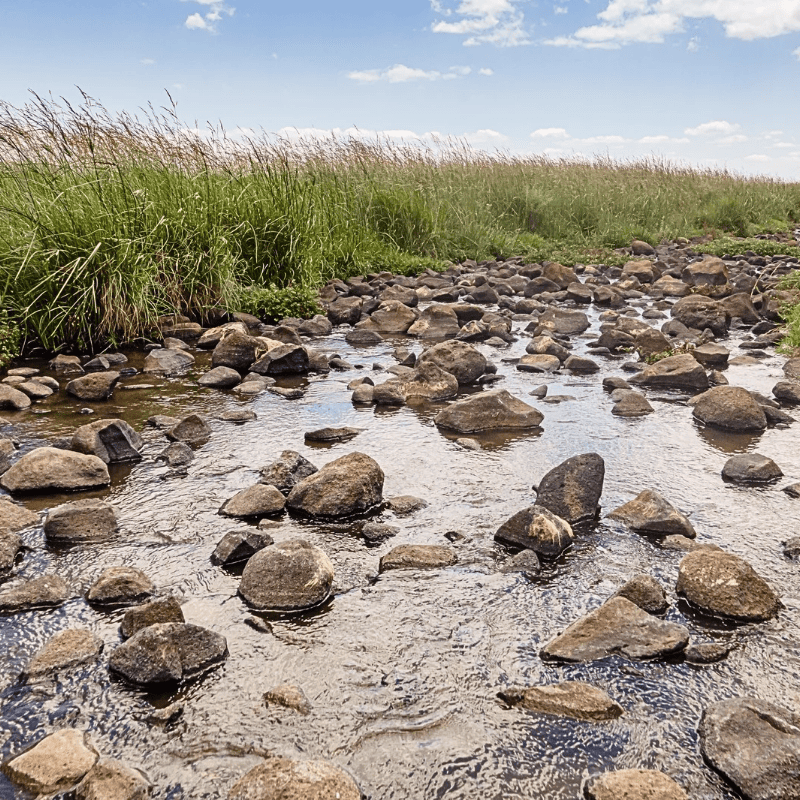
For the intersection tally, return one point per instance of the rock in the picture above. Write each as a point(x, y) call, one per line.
point(120, 586)
point(254, 501)
point(391, 317)
point(559, 274)
point(238, 415)
point(316, 326)
point(547, 346)
point(289, 696)
point(729, 408)
point(220, 378)
point(35, 390)
point(405, 504)
point(66, 649)
point(725, 585)
point(56, 763)
point(791, 369)
point(698, 312)
point(460, 359)
point(707, 652)
point(343, 434)
point(167, 652)
point(755, 745)
point(345, 311)
point(80, 521)
point(559, 320)
point(437, 321)
point(486, 411)
point(683, 545)
point(110, 779)
point(213, 336)
point(572, 489)
point(162, 421)
point(14, 517)
point(13, 399)
point(47, 591)
point(63, 365)
point(352, 484)
point(618, 627)
point(674, 372)
point(569, 699)
point(285, 359)
point(711, 271)
point(793, 490)
point(791, 548)
point(711, 356)
point(427, 382)
point(535, 528)
point(631, 404)
point(634, 784)
point(237, 351)
point(155, 612)
point(787, 392)
point(10, 546)
point(295, 780)
point(98, 364)
point(111, 440)
point(646, 592)
point(287, 471)
point(192, 430)
point(178, 454)
point(375, 533)
point(526, 562)
point(290, 576)
point(580, 364)
point(538, 363)
point(236, 547)
point(751, 468)
point(93, 387)
point(649, 512)
point(418, 556)
point(640, 248)
point(362, 338)
point(52, 469)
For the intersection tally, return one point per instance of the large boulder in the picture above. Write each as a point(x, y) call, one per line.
point(634, 784)
point(649, 512)
point(699, 313)
point(237, 351)
point(295, 780)
point(460, 359)
point(285, 359)
point(428, 382)
point(488, 411)
point(93, 387)
point(10, 547)
point(535, 528)
point(391, 317)
point(711, 271)
point(51, 469)
point(572, 490)
point(88, 520)
point(352, 484)
point(755, 745)
point(730, 408)
point(66, 649)
point(167, 363)
point(14, 517)
point(674, 372)
point(290, 576)
point(109, 779)
point(751, 468)
point(618, 627)
point(725, 585)
point(437, 321)
point(559, 320)
point(220, 378)
point(111, 440)
point(12, 399)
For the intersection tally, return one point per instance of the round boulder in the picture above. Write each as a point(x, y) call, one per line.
point(51, 469)
point(751, 468)
point(730, 408)
point(95, 386)
point(460, 359)
point(120, 586)
point(255, 501)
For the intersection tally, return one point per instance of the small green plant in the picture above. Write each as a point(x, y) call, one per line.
point(274, 303)
point(10, 338)
point(672, 351)
point(729, 245)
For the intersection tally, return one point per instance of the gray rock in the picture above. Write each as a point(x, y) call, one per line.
point(486, 411)
point(254, 501)
point(63, 365)
point(10, 547)
point(791, 369)
point(755, 745)
point(547, 346)
point(98, 364)
point(460, 359)
point(437, 321)
point(630, 404)
point(323, 435)
point(711, 271)
point(80, 521)
point(729, 408)
point(725, 585)
point(535, 528)
point(192, 429)
point(295, 780)
point(236, 351)
point(787, 392)
point(69, 648)
point(751, 468)
point(525, 562)
point(674, 372)
point(213, 336)
point(791, 548)
point(580, 364)
point(120, 586)
point(51, 469)
point(111, 440)
point(427, 382)
point(167, 652)
point(35, 390)
point(316, 326)
point(345, 311)
point(618, 627)
point(47, 591)
point(712, 356)
point(155, 612)
point(707, 652)
point(109, 779)
point(634, 784)
point(699, 313)
point(14, 517)
point(177, 454)
point(162, 421)
point(418, 556)
point(651, 513)
point(13, 399)
point(793, 490)
point(646, 592)
point(405, 504)
point(391, 317)
point(290, 576)
point(560, 320)
point(572, 489)
point(238, 415)
point(287, 471)
point(573, 699)
point(285, 359)
point(362, 338)
point(236, 547)
point(376, 533)
point(220, 378)
point(539, 363)
point(289, 696)
point(93, 387)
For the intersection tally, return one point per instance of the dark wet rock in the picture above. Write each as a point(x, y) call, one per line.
point(98, 364)
point(375, 533)
point(287, 393)
point(285, 359)
point(573, 699)
point(192, 429)
point(10, 547)
point(649, 512)
point(289, 696)
point(630, 404)
point(162, 421)
point(167, 363)
point(560, 320)
point(572, 490)
point(699, 313)
point(791, 369)
point(751, 468)
point(80, 521)
point(755, 745)
point(535, 528)
point(69, 648)
point(707, 652)
point(405, 504)
point(15, 517)
point(712, 356)
point(109, 779)
point(120, 585)
point(177, 454)
point(634, 784)
point(725, 585)
point(287, 471)
point(613, 382)
point(729, 408)
point(154, 612)
point(295, 780)
point(290, 576)
point(787, 392)
point(618, 627)
point(111, 440)
point(343, 434)
point(56, 763)
point(254, 501)
point(345, 311)
point(316, 326)
point(418, 556)
point(12, 399)
point(646, 592)
point(236, 547)
point(740, 306)
point(167, 652)
point(791, 548)
point(352, 484)
point(539, 392)
point(236, 351)
point(220, 378)
point(493, 410)
point(47, 591)
point(581, 364)
point(546, 345)
point(460, 359)
point(93, 387)
point(64, 365)
point(359, 337)
point(52, 469)
point(539, 363)
point(793, 490)
point(525, 562)
point(674, 372)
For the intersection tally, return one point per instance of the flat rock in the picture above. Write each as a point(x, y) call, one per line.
point(646, 592)
point(674, 372)
point(154, 612)
point(287, 471)
point(539, 363)
point(572, 490)
point(391, 317)
point(712, 356)
point(405, 504)
point(460, 359)
point(569, 699)
point(111, 440)
point(562, 321)
point(93, 387)
point(631, 404)
point(486, 411)
point(110, 779)
point(13, 399)
point(66, 649)
point(581, 364)
point(63, 365)
point(15, 517)
point(289, 696)
point(47, 591)
point(220, 378)
point(729, 408)
point(342, 434)
point(235, 547)
point(254, 501)
point(535, 528)
point(634, 784)
point(80, 521)
point(418, 556)
point(649, 512)
point(192, 429)
point(167, 363)
point(51, 469)
point(751, 468)
point(295, 780)
point(120, 586)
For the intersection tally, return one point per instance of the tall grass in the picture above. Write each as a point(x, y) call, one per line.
point(108, 221)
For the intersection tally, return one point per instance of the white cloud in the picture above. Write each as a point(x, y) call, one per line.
point(718, 126)
point(400, 73)
point(757, 157)
point(560, 10)
point(207, 21)
point(736, 138)
point(497, 22)
point(486, 136)
point(550, 133)
point(783, 144)
point(796, 53)
point(694, 44)
point(148, 62)
point(485, 71)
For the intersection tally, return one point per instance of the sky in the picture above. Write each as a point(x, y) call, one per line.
point(708, 83)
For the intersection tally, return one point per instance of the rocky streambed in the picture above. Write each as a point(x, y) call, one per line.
point(512, 530)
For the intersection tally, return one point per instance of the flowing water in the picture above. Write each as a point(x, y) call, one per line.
point(403, 669)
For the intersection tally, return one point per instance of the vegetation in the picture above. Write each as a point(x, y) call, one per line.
point(107, 222)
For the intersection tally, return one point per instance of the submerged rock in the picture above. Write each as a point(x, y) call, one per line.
point(418, 556)
point(535, 528)
point(569, 699)
point(45, 592)
point(110, 779)
point(52, 469)
point(572, 490)
point(486, 411)
point(289, 696)
point(66, 649)
point(634, 784)
point(236, 547)
point(295, 780)
point(649, 512)
point(646, 592)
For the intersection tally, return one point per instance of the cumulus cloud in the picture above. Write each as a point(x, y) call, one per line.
point(208, 21)
point(560, 10)
point(550, 133)
point(148, 62)
point(498, 22)
point(485, 71)
point(716, 127)
point(400, 73)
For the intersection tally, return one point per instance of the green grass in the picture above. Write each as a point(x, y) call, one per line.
point(106, 222)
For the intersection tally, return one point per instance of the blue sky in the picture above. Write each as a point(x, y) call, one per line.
point(704, 82)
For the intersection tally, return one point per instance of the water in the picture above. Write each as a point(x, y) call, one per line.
point(403, 669)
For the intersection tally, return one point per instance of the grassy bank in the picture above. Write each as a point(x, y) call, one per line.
point(108, 222)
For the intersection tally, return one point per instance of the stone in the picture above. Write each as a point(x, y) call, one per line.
point(324, 435)
point(110, 779)
point(111, 440)
point(538, 363)
point(359, 337)
point(729, 408)
point(285, 359)
point(787, 392)
point(405, 504)
point(56, 763)
point(711, 356)
point(213, 336)
point(69, 648)
point(391, 317)
point(418, 556)
point(487, 411)
point(525, 562)
point(289, 696)
point(352, 484)
point(618, 627)
point(295, 780)
point(751, 468)
point(120, 585)
point(287, 471)
point(674, 372)
point(427, 382)
point(558, 320)
point(580, 364)
point(791, 368)
point(755, 745)
point(437, 321)
point(192, 429)
point(572, 490)
point(290, 576)
point(573, 699)
point(14, 517)
point(254, 501)
point(35, 390)
point(316, 326)
point(793, 490)
point(80, 521)
point(52, 469)
point(559, 274)
point(724, 585)
point(649, 512)
point(640, 248)
point(154, 612)
point(631, 404)
point(707, 652)
point(162, 421)
point(177, 454)
point(48, 591)
point(791, 548)
point(220, 378)
point(546, 345)
point(699, 313)
point(460, 359)
point(235, 547)
point(634, 784)
point(375, 533)
point(167, 652)
point(238, 415)
point(237, 351)
point(63, 365)
point(12, 399)
point(646, 592)
point(535, 528)
point(93, 387)
point(711, 271)
point(10, 547)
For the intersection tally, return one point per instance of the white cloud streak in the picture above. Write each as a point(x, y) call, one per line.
point(208, 21)
point(498, 22)
point(718, 126)
point(400, 73)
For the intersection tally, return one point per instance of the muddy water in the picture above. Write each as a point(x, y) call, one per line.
point(402, 670)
